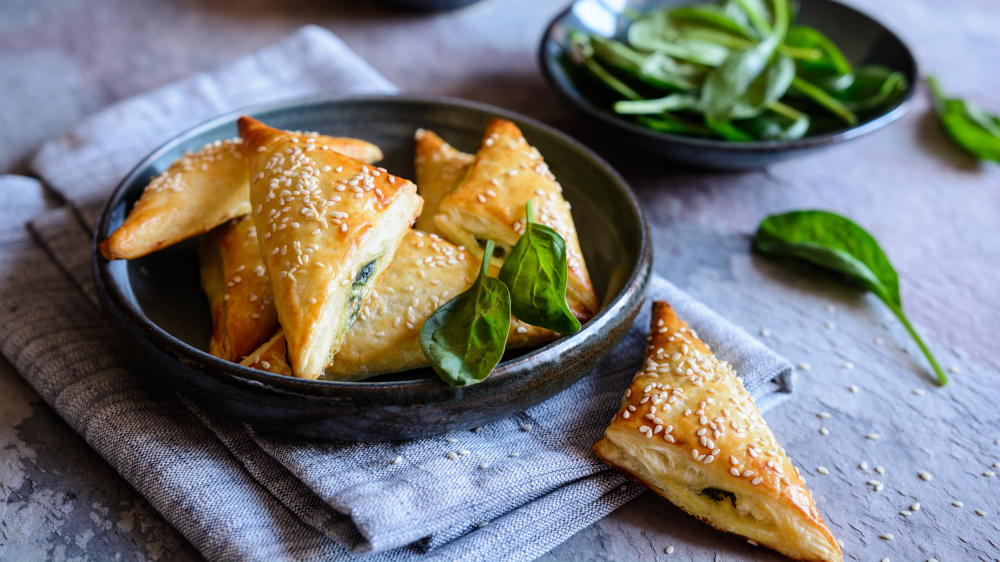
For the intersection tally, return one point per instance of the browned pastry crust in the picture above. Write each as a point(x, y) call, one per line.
point(198, 192)
point(426, 272)
point(440, 169)
point(490, 204)
point(239, 295)
point(328, 226)
point(688, 429)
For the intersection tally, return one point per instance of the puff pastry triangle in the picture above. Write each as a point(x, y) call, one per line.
point(490, 204)
point(426, 272)
point(198, 192)
point(688, 429)
point(440, 169)
point(328, 226)
point(239, 294)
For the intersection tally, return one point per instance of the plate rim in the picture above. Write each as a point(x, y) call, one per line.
point(112, 294)
point(581, 105)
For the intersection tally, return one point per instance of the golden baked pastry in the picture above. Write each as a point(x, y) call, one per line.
point(426, 272)
point(489, 204)
point(440, 169)
point(328, 226)
point(688, 429)
point(239, 294)
point(198, 192)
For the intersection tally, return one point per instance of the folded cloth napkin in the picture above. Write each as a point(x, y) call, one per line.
point(520, 486)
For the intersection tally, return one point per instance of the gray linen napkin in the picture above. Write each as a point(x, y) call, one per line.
point(239, 493)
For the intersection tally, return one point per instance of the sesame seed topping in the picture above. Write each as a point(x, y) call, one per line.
point(453, 455)
point(980, 513)
point(522, 330)
point(915, 507)
point(878, 487)
point(879, 470)
point(756, 481)
point(668, 550)
point(905, 513)
point(887, 536)
point(957, 504)
point(824, 431)
point(863, 465)
point(822, 470)
point(926, 476)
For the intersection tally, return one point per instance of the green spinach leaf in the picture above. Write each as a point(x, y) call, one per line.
point(465, 338)
point(672, 102)
point(968, 125)
point(873, 86)
point(536, 274)
point(825, 100)
point(837, 243)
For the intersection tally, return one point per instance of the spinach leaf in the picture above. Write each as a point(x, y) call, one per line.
point(767, 89)
point(668, 123)
point(536, 274)
point(824, 99)
point(713, 16)
point(728, 131)
point(465, 338)
point(781, 123)
point(672, 102)
point(654, 69)
point(656, 32)
point(831, 62)
point(726, 86)
point(873, 87)
point(836, 243)
point(968, 125)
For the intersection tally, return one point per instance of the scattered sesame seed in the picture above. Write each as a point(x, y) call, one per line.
point(830, 308)
point(464, 452)
point(822, 470)
point(668, 550)
point(840, 543)
point(526, 427)
point(905, 513)
point(804, 366)
point(764, 332)
point(926, 476)
point(853, 388)
point(451, 440)
point(879, 470)
point(878, 341)
point(980, 513)
point(848, 365)
point(915, 507)
point(888, 536)
point(483, 524)
point(823, 415)
point(954, 369)
point(957, 504)
point(484, 466)
point(522, 330)
point(996, 442)
point(878, 487)
point(265, 364)
point(751, 541)
point(918, 391)
point(453, 455)
point(824, 431)
point(514, 454)
point(863, 465)
point(397, 460)
point(756, 481)
point(872, 436)
point(996, 464)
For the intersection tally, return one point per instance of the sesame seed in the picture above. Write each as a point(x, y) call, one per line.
point(878, 341)
point(756, 481)
point(451, 440)
point(522, 330)
point(863, 465)
point(526, 427)
point(872, 436)
point(918, 391)
point(996, 464)
point(824, 431)
point(879, 470)
point(915, 507)
point(453, 455)
point(831, 309)
point(822, 470)
point(878, 487)
point(764, 332)
point(751, 541)
point(905, 513)
point(957, 504)
point(514, 454)
point(926, 476)
point(830, 325)
point(980, 513)
point(853, 388)
point(823, 415)
point(848, 365)
point(734, 471)
point(397, 460)
point(804, 366)
point(887, 536)
point(668, 550)
point(265, 364)
point(464, 452)
point(481, 198)
point(954, 369)
point(484, 466)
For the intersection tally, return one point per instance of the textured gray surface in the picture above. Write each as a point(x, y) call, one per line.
point(933, 209)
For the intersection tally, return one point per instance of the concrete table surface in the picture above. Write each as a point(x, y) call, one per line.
point(933, 208)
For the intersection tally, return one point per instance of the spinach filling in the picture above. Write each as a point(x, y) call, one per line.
point(499, 251)
point(719, 495)
point(361, 280)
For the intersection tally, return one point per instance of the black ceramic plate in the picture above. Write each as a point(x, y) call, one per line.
point(862, 39)
point(158, 303)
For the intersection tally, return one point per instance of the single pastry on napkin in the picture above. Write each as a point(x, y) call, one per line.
point(239, 295)
point(440, 169)
point(328, 226)
point(198, 192)
point(689, 430)
point(489, 204)
point(426, 272)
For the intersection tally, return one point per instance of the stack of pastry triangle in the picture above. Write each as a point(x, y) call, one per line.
point(688, 429)
point(198, 192)
point(489, 204)
point(425, 273)
point(239, 295)
point(328, 226)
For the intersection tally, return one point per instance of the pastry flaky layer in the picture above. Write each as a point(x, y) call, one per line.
point(426, 272)
point(239, 294)
point(689, 430)
point(198, 192)
point(440, 169)
point(328, 226)
point(489, 204)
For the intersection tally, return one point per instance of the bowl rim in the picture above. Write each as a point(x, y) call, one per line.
point(584, 106)
point(217, 368)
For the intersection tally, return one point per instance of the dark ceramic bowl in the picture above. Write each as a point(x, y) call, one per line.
point(862, 39)
point(158, 303)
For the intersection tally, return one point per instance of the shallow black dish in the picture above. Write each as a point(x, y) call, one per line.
point(158, 303)
point(862, 39)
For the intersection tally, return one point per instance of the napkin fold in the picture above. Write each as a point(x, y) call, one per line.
point(521, 486)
